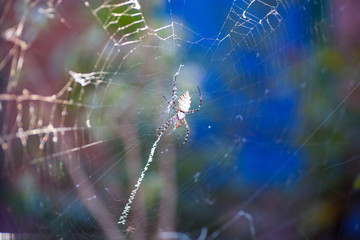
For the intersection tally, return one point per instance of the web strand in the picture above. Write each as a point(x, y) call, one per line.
point(125, 212)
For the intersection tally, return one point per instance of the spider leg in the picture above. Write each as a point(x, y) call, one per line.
point(172, 105)
point(187, 130)
point(164, 126)
point(195, 110)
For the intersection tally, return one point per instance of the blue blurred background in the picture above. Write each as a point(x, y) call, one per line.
point(276, 137)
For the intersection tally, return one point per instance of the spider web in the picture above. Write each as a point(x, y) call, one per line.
point(272, 154)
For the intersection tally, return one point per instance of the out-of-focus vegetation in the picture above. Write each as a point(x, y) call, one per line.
point(277, 135)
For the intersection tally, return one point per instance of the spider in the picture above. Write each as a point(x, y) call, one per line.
point(181, 110)
point(129, 230)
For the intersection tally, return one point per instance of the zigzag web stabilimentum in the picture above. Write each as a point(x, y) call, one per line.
point(272, 152)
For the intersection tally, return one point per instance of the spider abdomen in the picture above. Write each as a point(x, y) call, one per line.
point(184, 102)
